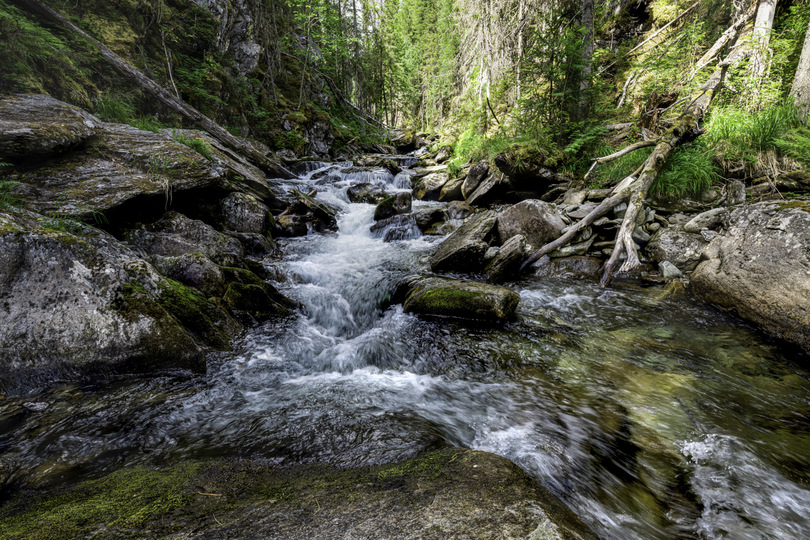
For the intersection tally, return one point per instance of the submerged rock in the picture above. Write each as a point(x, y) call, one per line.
point(433, 295)
point(399, 227)
point(366, 193)
point(759, 268)
point(447, 493)
point(39, 125)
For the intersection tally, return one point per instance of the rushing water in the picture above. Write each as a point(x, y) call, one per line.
point(648, 415)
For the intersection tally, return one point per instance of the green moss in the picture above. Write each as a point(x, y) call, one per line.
point(124, 500)
point(800, 204)
point(201, 317)
point(297, 117)
point(254, 300)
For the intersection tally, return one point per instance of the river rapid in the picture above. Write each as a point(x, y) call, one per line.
point(649, 415)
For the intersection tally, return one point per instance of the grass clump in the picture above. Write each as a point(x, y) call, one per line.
point(688, 171)
point(198, 145)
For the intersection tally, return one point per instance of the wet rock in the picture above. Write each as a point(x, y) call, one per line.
point(576, 266)
point(378, 162)
point(39, 125)
point(428, 217)
point(71, 303)
point(681, 248)
point(429, 187)
point(399, 227)
point(706, 220)
point(458, 210)
point(404, 140)
point(438, 296)
point(306, 215)
point(463, 251)
point(175, 235)
point(195, 270)
point(243, 213)
point(292, 225)
point(669, 270)
point(538, 221)
point(447, 493)
point(366, 193)
point(506, 263)
point(253, 298)
point(421, 172)
point(640, 236)
point(474, 177)
point(392, 206)
point(759, 268)
point(257, 245)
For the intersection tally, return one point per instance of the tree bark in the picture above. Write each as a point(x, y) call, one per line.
point(760, 41)
point(158, 92)
point(800, 90)
point(587, 54)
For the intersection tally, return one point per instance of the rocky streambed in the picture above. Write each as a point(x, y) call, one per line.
point(344, 352)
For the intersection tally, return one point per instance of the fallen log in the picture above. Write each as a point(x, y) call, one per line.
point(159, 93)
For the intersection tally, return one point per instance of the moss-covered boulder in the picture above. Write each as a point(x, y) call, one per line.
point(249, 295)
point(174, 235)
point(439, 296)
point(430, 187)
point(448, 493)
point(398, 204)
point(76, 300)
point(243, 213)
point(34, 126)
point(366, 192)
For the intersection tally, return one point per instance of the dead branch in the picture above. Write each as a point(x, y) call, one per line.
point(725, 38)
point(620, 153)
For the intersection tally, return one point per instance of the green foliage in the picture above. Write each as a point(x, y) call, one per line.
point(7, 199)
point(736, 134)
point(200, 146)
point(114, 109)
point(688, 171)
point(615, 171)
point(795, 144)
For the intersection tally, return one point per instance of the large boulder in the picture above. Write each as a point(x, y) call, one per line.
point(74, 302)
point(474, 177)
point(33, 126)
point(243, 213)
point(366, 193)
point(451, 191)
point(439, 296)
point(463, 251)
point(759, 268)
point(491, 190)
point(306, 214)
point(175, 235)
point(677, 246)
point(506, 263)
point(398, 204)
point(538, 221)
point(125, 174)
point(430, 187)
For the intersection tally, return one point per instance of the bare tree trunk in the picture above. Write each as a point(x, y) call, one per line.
point(800, 90)
point(158, 92)
point(760, 41)
point(587, 53)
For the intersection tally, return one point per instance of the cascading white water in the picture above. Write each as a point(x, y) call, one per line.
point(639, 412)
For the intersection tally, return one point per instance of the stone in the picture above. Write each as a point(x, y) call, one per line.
point(399, 227)
point(539, 222)
point(444, 153)
point(33, 126)
point(710, 219)
point(257, 245)
point(759, 266)
point(428, 217)
point(445, 297)
point(429, 187)
point(640, 236)
point(458, 210)
point(463, 251)
point(175, 235)
point(445, 493)
point(72, 303)
point(576, 266)
point(474, 177)
point(673, 244)
point(708, 235)
point(366, 193)
point(582, 210)
point(451, 191)
point(245, 214)
point(398, 204)
point(318, 216)
point(193, 269)
point(573, 197)
point(506, 263)
point(669, 270)
point(735, 193)
point(491, 190)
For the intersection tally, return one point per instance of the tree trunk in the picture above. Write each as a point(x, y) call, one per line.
point(587, 53)
point(800, 90)
point(760, 41)
point(158, 92)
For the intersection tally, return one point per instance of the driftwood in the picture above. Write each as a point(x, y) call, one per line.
point(159, 93)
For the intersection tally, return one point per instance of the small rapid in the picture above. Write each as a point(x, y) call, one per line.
point(651, 417)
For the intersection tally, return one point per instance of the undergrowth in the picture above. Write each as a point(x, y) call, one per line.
point(689, 170)
point(200, 146)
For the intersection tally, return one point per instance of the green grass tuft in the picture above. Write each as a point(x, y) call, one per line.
point(198, 145)
point(688, 171)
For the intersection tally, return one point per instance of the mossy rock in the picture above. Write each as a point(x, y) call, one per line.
point(448, 493)
point(254, 301)
point(438, 296)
